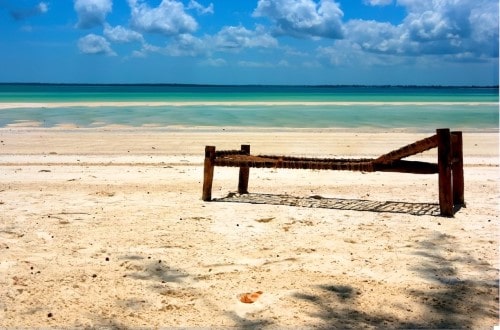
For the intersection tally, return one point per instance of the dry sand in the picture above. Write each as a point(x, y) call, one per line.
point(106, 228)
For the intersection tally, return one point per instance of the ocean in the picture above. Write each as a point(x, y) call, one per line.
point(367, 107)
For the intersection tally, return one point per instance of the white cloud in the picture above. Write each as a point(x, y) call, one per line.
point(228, 39)
point(200, 9)
point(215, 62)
point(348, 54)
point(121, 34)
point(186, 45)
point(377, 2)
point(448, 27)
point(94, 44)
point(238, 37)
point(42, 7)
point(20, 14)
point(265, 64)
point(180, 45)
point(253, 64)
point(484, 32)
point(377, 37)
point(453, 26)
point(145, 50)
point(303, 18)
point(283, 63)
point(417, 5)
point(92, 13)
point(432, 25)
point(139, 54)
point(169, 18)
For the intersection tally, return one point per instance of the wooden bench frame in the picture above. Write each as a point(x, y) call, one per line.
point(449, 166)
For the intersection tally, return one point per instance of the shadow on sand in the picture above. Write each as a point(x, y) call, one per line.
point(453, 301)
point(334, 203)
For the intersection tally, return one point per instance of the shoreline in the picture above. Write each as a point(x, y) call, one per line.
point(110, 128)
point(20, 105)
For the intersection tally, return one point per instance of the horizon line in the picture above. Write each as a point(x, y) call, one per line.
point(250, 85)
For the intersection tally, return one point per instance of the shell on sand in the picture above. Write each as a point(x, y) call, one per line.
point(250, 297)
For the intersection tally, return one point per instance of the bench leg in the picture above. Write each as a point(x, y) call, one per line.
point(208, 173)
point(458, 169)
point(244, 172)
point(445, 178)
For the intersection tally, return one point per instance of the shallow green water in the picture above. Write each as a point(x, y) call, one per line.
point(396, 107)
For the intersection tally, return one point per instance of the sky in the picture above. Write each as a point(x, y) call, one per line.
point(285, 42)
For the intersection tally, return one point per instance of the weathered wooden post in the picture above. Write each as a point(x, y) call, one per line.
point(208, 173)
point(457, 168)
point(244, 172)
point(444, 168)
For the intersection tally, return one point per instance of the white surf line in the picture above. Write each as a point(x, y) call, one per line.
point(18, 105)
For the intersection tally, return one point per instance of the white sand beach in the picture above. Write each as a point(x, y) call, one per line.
point(106, 228)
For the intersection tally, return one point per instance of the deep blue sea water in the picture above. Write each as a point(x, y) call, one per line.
point(421, 108)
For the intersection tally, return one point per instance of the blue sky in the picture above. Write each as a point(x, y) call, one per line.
point(422, 42)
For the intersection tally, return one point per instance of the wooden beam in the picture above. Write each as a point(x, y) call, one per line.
point(406, 166)
point(444, 166)
point(208, 173)
point(244, 172)
point(257, 162)
point(409, 150)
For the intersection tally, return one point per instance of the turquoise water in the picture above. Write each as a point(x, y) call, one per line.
point(348, 107)
point(102, 93)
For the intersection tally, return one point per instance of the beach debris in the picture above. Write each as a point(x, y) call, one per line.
point(250, 297)
point(19, 281)
point(265, 220)
point(105, 193)
point(44, 171)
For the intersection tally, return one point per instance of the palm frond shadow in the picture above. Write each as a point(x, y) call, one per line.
point(334, 203)
point(455, 299)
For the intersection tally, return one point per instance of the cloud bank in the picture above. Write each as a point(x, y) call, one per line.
point(457, 30)
point(451, 27)
point(303, 18)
